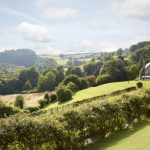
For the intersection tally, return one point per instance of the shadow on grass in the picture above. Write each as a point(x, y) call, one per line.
point(104, 144)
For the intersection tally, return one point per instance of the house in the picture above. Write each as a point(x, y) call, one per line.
point(146, 72)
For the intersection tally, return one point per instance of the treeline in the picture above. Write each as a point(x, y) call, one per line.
point(121, 65)
point(20, 57)
point(71, 129)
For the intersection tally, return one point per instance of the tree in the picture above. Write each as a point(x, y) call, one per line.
point(28, 74)
point(20, 57)
point(84, 83)
point(75, 70)
point(27, 86)
point(63, 94)
point(53, 97)
point(92, 68)
point(72, 87)
point(116, 68)
point(19, 102)
point(72, 78)
point(102, 79)
point(46, 82)
point(47, 98)
point(133, 71)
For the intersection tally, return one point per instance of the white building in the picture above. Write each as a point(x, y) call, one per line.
point(147, 72)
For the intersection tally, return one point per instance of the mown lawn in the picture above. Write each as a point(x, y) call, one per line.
point(137, 138)
point(99, 90)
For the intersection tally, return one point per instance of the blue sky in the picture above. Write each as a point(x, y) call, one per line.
point(70, 26)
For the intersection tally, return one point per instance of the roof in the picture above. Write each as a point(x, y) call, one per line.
point(147, 65)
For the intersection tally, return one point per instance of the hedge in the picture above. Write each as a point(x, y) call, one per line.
point(69, 131)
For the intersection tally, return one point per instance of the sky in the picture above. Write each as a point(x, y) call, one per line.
point(73, 26)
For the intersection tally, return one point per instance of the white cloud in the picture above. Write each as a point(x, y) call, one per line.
point(59, 12)
point(33, 32)
point(96, 24)
point(139, 9)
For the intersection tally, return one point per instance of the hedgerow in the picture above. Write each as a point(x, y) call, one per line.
point(68, 131)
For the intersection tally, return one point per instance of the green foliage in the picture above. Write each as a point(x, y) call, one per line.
point(44, 63)
point(47, 98)
point(5, 111)
point(72, 87)
point(27, 86)
point(42, 102)
point(102, 79)
point(63, 94)
point(84, 83)
point(19, 102)
point(138, 46)
point(72, 78)
point(47, 82)
point(20, 57)
point(92, 68)
point(116, 68)
point(32, 109)
point(29, 74)
point(68, 131)
point(139, 85)
point(53, 97)
point(133, 71)
point(75, 70)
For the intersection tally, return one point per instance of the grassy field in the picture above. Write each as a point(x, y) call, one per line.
point(32, 99)
point(137, 138)
point(99, 90)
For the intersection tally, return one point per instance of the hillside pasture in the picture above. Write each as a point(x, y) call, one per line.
point(32, 99)
point(136, 138)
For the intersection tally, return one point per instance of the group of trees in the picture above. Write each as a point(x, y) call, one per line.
point(20, 57)
point(108, 67)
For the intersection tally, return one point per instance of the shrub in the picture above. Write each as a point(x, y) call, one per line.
point(47, 98)
point(102, 79)
point(42, 102)
point(32, 109)
point(139, 85)
point(90, 80)
point(64, 94)
point(72, 87)
point(84, 83)
point(53, 97)
point(19, 102)
point(69, 130)
point(6, 111)
point(72, 78)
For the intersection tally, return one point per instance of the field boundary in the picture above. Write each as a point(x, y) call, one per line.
point(75, 104)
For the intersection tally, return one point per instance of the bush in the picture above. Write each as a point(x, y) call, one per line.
point(47, 98)
point(19, 102)
point(72, 78)
point(53, 97)
point(72, 87)
point(42, 102)
point(84, 83)
point(32, 109)
point(6, 111)
point(90, 80)
point(102, 79)
point(69, 130)
point(64, 94)
point(139, 85)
